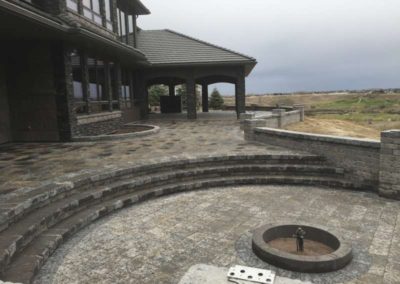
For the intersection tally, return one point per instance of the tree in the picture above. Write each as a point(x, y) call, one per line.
point(216, 100)
point(181, 91)
point(155, 92)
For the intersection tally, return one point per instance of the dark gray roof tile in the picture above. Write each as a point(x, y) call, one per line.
point(166, 47)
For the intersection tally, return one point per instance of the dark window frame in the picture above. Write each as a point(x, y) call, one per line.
point(106, 98)
point(126, 25)
point(95, 16)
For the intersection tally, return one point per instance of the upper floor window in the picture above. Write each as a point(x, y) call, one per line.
point(73, 5)
point(125, 26)
point(91, 10)
point(108, 8)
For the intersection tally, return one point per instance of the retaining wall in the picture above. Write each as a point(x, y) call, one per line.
point(277, 119)
point(359, 157)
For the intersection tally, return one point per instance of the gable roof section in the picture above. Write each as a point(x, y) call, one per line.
point(167, 48)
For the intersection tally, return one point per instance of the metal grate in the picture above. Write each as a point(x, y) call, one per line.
point(251, 274)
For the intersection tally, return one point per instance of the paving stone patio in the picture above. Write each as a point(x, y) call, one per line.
point(159, 240)
point(28, 165)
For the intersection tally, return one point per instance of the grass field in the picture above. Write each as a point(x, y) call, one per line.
point(346, 114)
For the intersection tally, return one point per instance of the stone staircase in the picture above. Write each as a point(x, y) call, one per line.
point(36, 223)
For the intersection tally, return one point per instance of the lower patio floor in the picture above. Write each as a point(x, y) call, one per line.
point(159, 240)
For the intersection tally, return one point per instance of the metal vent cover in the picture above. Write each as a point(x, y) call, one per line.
point(251, 274)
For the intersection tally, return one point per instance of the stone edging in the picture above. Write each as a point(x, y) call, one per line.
point(113, 137)
point(369, 143)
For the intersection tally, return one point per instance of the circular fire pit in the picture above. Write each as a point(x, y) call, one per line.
point(323, 251)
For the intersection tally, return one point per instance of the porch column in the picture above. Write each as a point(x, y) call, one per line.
point(191, 98)
point(108, 86)
point(240, 95)
point(85, 81)
point(118, 83)
point(171, 89)
point(141, 93)
point(204, 97)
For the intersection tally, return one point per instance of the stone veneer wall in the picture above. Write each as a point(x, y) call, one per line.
point(359, 157)
point(4, 110)
point(98, 124)
point(390, 164)
point(32, 91)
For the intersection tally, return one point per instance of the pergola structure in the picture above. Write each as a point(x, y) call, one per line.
point(179, 59)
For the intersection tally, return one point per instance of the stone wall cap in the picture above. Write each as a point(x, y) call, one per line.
point(393, 133)
point(323, 138)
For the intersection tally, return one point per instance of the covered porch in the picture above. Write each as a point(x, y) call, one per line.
point(177, 59)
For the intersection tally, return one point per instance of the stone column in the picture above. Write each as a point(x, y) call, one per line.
point(301, 109)
point(249, 125)
point(118, 83)
point(64, 91)
point(140, 90)
point(171, 89)
point(240, 95)
point(245, 116)
point(108, 86)
point(85, 80)
point(191, 98)
point(389, 174)
point(278, 112)
point(204, 93)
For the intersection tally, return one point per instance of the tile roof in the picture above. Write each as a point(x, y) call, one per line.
point(167, 47)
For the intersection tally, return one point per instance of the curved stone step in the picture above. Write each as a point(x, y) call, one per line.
point(17, 206)
point(20, 234)
point(33, 257)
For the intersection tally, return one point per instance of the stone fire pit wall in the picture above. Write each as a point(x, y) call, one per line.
point(370, 164)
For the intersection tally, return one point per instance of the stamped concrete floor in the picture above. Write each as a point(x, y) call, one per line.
point(28, 165)
point(159, 240)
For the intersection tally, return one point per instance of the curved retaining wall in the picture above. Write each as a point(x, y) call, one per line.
point(112, 137)
point(360, 157)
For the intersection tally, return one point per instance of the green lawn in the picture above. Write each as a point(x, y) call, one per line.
point(364, 104)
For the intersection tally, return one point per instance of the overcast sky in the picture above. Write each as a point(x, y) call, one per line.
point(299, 44)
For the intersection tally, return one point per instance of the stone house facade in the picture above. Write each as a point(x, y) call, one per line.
point(83, 67)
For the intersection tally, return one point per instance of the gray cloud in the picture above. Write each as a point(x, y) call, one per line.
point(299, 44)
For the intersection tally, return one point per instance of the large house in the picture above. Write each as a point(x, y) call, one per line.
point(82, 67)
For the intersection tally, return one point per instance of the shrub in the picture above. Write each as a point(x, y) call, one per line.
point(216, 100)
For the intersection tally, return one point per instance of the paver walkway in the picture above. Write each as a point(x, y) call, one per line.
point(159, 240)
point(28, 165)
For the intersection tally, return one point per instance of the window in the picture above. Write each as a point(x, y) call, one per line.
point(109, 24)
point(126, 89)
point(91, 10)
point(77, 82)
point(97, 80)
point(125, 26)
point(73, 5)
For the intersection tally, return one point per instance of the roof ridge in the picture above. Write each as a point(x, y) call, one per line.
point(208, 43)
